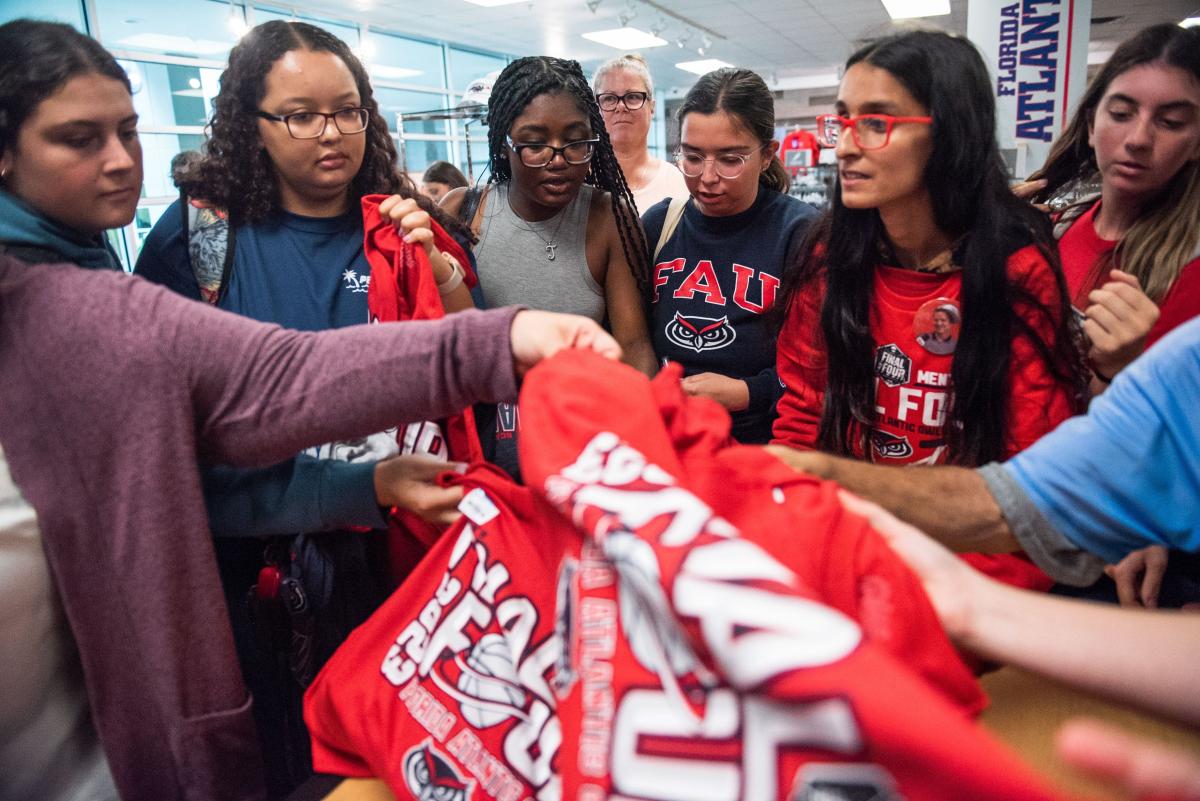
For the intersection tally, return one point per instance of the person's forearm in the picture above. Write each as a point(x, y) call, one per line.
point(268, 393)
point(639, 354)
point(1141, 657)
point(951, 504)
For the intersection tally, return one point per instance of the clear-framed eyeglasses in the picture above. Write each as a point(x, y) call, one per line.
point(870, 131)
point(311, 124)
point(727, 165)
point(540, 155)
point(631, 100)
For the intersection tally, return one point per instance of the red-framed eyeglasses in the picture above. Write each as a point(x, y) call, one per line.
point(870, 131)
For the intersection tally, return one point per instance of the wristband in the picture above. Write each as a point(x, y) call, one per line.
point(456, 276)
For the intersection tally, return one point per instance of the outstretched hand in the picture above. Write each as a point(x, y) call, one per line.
point(408, 481)
point(1143, 769)
point(537, 335)
point(952, 585)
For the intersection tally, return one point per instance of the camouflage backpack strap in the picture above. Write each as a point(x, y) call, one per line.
point(210, 246)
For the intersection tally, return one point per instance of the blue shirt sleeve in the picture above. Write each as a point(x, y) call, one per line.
point(1125, 475)
point(300, 495)
point(164, 255)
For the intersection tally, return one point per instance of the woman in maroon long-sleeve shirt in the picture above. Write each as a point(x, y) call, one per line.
point(112, 388)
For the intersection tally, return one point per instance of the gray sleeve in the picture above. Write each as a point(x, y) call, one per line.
point(1060, 558)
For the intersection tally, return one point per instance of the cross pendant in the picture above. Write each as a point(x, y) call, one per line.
point(550, 251)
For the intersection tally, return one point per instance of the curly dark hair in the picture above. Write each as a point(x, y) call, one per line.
point(235, 172)
point(527, 78)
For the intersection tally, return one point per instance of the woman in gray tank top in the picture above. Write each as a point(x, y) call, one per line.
point(557, 225)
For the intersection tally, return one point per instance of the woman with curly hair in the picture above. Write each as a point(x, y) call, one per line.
point(296, 140)
point(557, 226)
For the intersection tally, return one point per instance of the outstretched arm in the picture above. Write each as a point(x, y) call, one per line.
point(1070, 641)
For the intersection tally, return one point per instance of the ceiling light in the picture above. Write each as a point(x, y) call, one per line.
point(907, 9)
point(1190, 22)
point(625, 38)
point(490, 3)
point(174, 44)
point(394, 73)
point(703, 66)
point(683, 39)
point(593, 5)
point(236, 21)
point(659, 26)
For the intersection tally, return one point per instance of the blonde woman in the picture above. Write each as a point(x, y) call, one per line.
point(625, 93)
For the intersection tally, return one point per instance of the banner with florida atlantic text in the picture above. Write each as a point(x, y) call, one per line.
point(1036, 52)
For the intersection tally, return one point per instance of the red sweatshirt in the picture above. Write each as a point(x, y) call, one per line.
point(1082, 249)
point(454, 688)
point(912, 382)
point(912, 385)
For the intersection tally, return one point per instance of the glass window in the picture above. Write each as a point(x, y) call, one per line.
point(197, 29)
point(467, 65)
point(479, 154)
point(347, 32)
point(68, 11)
point(402, 60)
point(172, 94)
point(400, 100)
point(420, 153)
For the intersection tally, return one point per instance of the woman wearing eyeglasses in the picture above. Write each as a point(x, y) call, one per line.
point(625, 93)
point(296, 141)
point(719, 252)
point(923, 222)
point(556, 225)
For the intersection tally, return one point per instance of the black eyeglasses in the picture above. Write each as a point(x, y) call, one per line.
point(539, 155)
point(311, 124)
point(632, 100)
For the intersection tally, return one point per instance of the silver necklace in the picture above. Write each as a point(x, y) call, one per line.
point(551, 243)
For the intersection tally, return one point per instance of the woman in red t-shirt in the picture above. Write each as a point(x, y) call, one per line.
point(1136, 132)
point(927, 321)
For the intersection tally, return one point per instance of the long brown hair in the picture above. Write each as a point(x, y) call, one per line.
point(1166, 235)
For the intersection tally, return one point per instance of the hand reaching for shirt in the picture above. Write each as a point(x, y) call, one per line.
point(407, 481)
point(1119, 316)
point(537, 335)
point(732, 393)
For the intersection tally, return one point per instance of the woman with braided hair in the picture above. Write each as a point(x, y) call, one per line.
point(557, 226)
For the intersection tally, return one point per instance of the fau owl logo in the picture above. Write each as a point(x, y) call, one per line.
point(890, 446)
point(430, 776)
point(700, 333)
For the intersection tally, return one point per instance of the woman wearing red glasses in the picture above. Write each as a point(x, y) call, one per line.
point(923, 232)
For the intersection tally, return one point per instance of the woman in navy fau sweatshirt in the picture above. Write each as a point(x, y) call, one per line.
point(928, 320)
point(716, 276)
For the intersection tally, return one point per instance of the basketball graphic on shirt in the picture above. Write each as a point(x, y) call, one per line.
point(700, 333)
point(490, 691)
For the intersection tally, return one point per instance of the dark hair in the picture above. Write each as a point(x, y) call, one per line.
point(36, 59)
point(532, 76)
point(1163, 238)
point(972, 203)
point(236, 173)
point(742, 94)
point(443, 172)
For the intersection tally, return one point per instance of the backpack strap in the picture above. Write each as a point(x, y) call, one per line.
point(472, 207)
point(670, 223)
point(209, 246)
